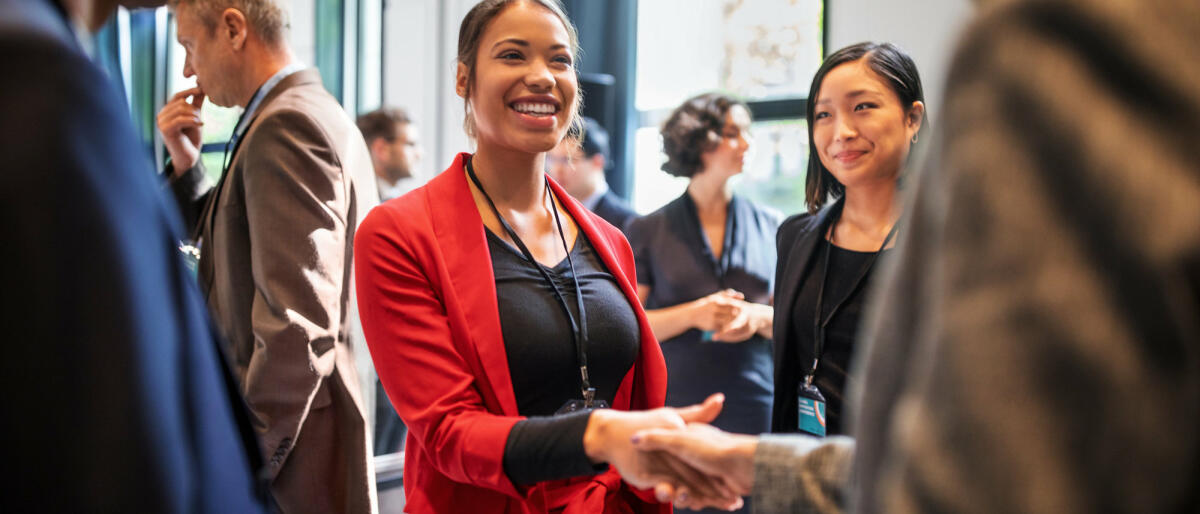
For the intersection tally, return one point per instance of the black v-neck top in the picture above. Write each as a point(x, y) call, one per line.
point(845, 266)
point(542, 360)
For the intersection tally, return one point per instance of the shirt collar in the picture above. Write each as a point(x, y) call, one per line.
point(262, 92)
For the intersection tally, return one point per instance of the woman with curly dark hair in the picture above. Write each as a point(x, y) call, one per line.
point(706, 266)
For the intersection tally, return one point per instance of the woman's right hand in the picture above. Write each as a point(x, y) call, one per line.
point(713, 312)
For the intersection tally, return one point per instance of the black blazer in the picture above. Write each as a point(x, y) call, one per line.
point(796, 242)
point(614, 210)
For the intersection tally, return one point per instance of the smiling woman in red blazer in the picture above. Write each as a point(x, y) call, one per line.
point(498, 311)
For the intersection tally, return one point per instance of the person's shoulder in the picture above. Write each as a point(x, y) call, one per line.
point(801, 222)
point(642, 227)
point(35, 22)
point(765, 214)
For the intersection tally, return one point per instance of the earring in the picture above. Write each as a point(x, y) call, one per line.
point(914, 139)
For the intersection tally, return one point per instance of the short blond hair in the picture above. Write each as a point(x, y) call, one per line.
point(267, 18)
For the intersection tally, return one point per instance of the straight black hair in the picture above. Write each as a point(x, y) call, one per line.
point(896, 69)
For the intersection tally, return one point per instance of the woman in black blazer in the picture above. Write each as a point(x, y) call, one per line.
point(865, 112)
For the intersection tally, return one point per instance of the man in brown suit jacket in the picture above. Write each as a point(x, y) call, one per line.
point(275, 236)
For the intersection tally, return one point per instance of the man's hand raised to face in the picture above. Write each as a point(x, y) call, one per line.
point(179, 122)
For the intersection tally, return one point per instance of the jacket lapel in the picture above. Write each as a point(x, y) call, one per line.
point(463, 245)
point(209, 216)
point(800, 259)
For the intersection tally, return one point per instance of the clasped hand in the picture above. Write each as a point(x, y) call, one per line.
point(730, 317)
point(675, 452)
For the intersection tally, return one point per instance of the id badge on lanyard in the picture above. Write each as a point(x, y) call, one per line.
point(191, 257)
point(810, 402)
point(811, 409)
point(579, 330)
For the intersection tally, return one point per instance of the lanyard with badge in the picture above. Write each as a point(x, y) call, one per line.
point(191, 247)
point(810, 401)
point(578, 327)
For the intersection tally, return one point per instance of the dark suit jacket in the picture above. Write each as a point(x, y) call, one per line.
point(614, 210)
point(796, 242)
point(429, 311)
point(276, 238)
point(117, 396)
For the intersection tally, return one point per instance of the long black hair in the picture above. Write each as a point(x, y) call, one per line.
point(897, 70)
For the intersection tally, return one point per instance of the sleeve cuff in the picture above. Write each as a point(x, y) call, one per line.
point(548, 448)
point(796, 473)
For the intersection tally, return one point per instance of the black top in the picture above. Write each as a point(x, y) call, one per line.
point(844, 269)
point(542, 360)
point(674, 258)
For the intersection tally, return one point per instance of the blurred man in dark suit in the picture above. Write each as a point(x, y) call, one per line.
point(578, 164)
point(118, 396)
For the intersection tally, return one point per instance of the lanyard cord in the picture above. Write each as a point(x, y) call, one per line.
point(234, 138)
point(578, 328)
point(819, 325)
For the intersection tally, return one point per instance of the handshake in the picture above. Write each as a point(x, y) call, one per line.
point(675, 452)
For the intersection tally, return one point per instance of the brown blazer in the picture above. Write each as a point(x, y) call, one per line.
point(276, 236)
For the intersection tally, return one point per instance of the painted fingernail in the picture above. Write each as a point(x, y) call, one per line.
point(637, 438)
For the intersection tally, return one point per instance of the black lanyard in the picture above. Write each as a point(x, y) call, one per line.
point(819, 324)
point(578, 328)
point(230, 146)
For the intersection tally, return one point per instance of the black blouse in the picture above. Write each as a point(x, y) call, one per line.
point(542, 360)
point(833, 368)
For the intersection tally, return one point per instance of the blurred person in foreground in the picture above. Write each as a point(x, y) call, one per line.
point(120, 399)
point(1035, 345)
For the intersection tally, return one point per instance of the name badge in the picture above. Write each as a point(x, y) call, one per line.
point(811, 408)
point(191, 257)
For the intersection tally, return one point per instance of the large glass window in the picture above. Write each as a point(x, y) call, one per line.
point(218, 121)
point(762, 51)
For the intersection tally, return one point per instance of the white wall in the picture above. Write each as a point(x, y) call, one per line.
point(420, 41)
point(302, 36)
point(926, 29)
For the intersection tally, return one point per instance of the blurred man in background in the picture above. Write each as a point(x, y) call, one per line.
point(578, 164)
point(395, 148)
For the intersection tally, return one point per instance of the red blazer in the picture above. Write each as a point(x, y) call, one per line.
point(427, 298)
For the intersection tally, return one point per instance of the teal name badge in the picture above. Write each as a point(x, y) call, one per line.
point(191, 257)
point(812, 416)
